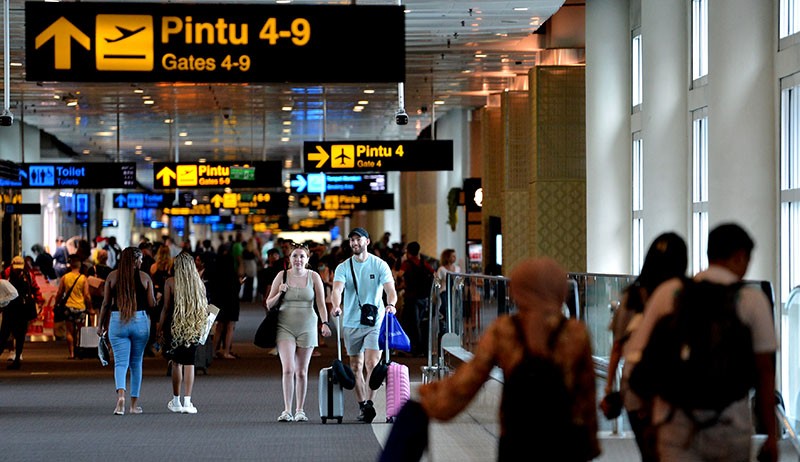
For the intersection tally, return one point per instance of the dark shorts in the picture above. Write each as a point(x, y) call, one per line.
point(182, 355)
point(76, 316)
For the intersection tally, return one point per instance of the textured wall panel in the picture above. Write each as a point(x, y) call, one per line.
point(559, 120)
point(517, 139)
point(516, 228)
point(558, 219)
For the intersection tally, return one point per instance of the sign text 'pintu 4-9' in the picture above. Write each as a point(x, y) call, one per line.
point(183, 42)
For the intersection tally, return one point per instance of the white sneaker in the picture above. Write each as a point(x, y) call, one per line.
point(300, 416)
point(190, 409)
point(172, 407)
point(285, 417)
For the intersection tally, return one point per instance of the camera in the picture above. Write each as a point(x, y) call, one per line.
point(6, 118)
point(401, 117)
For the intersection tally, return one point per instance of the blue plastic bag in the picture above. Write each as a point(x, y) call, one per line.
point(398, 340)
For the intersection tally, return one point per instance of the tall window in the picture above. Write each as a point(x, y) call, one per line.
point(636, 64)
point(790, 185)
point(789, 18)
point(637, 206)
point(699, 38)
point(699, 189)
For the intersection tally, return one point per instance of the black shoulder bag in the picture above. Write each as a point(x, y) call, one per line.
point(61, 311)
point(268, 329)
point(369, 312)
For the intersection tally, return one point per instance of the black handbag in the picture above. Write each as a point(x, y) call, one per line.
point(268, 329)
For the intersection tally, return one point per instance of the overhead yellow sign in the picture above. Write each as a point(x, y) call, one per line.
point(378, 156)
point(235, 42)
point(263, 174)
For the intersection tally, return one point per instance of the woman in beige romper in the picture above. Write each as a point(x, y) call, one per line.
point(297, 328)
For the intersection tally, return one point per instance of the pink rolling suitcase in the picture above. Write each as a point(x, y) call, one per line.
point(398, 389)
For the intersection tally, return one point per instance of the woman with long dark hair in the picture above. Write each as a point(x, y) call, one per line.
point(666, 258)
point(128, 296)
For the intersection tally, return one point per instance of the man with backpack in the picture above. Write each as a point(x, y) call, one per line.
point(690, 333)
point(417, 277)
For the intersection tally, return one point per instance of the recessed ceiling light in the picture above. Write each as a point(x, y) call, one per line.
point(520, 8)
point(202, 160)
point(148, 158)
point(138, 90)
point(183, 134)
point(284, 139)
point(363, 102)
point(167, 121)
point(149, 101)
point(287, 122)
point(187, 142)
point(438, 102)
point(358, 108)
point(286, 108)
point(369, 91)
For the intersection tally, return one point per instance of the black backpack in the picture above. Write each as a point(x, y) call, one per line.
point(701, 355)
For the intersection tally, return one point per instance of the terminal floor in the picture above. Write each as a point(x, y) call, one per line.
point(56, 409)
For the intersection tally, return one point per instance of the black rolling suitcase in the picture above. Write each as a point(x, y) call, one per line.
point(204, 355)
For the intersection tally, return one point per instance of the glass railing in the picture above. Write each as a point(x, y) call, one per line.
point(467, 303)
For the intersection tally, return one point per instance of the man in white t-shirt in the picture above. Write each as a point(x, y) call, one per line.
point(729, 439)
point(373, 277)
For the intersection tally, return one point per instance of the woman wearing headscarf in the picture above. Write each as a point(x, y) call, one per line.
point(128, 296)
point(183, 320)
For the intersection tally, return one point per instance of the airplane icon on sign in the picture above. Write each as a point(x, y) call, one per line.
point(125, 33)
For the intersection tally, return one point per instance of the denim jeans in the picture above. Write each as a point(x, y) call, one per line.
point(128, 340)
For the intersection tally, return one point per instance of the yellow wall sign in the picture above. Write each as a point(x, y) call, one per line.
point(153, 42)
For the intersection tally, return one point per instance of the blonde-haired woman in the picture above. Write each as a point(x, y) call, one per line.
point(128, 296)
point(182, 322)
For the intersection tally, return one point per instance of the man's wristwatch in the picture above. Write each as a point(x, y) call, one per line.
point(326, 323)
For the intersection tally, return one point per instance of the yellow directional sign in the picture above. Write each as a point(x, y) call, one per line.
point(124, 42)
point(230, 200)
point(378, 156)
point(179, 42)
point(165, 175)
point(62, 31)
point(321, 156)
point(216, 200)
point(261, 174)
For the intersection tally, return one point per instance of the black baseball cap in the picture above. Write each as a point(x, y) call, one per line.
point(358, 232)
